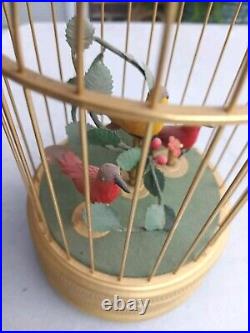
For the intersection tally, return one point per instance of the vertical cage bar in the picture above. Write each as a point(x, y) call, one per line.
point(150, 43)
point(8, 21)
point(10, 140)
point(29, 12)
point(210, 138)
point(26, 178)
point(14, 107)
point(182, 5)
point(39, 142)
point(19, 154)
point(225, 147)
point(170, 14)
point(209, 8)
point(232, 188)
point(226, 222)
point(238, 88)
point(238, 7)
point(233, 167)
point(171, 10)
point(83, 127)
point(102, 37)
point(139, 175)
point(237, 76)
point(235, 81)
point(16, 36)
point(102, 19)
point(53, 14)
point(196, 179)
point(126, 47)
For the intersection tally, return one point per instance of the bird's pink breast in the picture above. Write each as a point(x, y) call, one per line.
point(104, 192)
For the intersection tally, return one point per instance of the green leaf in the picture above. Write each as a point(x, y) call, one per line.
point(73, 133)
point(128, 159)
point(150, 183)
point(125, 137)
point(155, 217)
point(88, 33)
point(103, 137)
point(96, 136)
point(104, 218)
point(73, 113)
point(98, 77)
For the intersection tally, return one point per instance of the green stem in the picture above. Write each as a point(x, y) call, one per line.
point(144, 71)
point(73, 60)
point(152, 168)
point(96, 121)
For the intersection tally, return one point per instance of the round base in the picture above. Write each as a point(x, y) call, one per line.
point(81, 226)
point(179, 169)
point(143, 192)
point(89, 290)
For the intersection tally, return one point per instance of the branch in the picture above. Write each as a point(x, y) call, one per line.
point(143, 69)
point(152, 168)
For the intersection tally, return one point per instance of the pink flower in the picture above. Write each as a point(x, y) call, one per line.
point(161, 159)
point(175, 146)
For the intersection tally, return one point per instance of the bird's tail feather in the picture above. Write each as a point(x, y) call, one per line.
point(69, 163)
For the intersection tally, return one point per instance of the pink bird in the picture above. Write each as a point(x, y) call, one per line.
point(105, 181)
point(187, 135)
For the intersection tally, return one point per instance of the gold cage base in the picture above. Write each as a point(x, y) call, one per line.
point(86, 290)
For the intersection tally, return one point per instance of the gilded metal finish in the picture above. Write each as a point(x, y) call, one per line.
point(14, 107)
point(232, 188)
point(225, 223)
point(28, 5)
point(131, 109)
point(186, 201)
point(53, 14)
point(225, 147)
point(15, 36)
point(16, 147)
point(234, 166)
point(40, 145)
point(86, 291)
point(182, 5)
point(126, 46)
point(150, 43)
point(237, 76)
point(209, 8)
point(234, 18)
point(83, 128)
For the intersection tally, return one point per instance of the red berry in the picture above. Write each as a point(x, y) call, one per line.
point(161, 159)
point(156, 143)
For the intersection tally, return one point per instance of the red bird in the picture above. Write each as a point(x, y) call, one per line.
point(187, 135)
point(105, 182)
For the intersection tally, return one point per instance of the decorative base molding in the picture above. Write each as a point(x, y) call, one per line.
point(86, 290)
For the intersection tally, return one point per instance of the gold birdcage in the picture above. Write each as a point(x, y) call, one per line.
point(104, 272)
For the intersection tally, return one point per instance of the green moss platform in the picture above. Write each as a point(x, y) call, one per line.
point(144, 245)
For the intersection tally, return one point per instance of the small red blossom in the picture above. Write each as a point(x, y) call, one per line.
point(175, 146)
point(161, 159)
point(156, 143)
